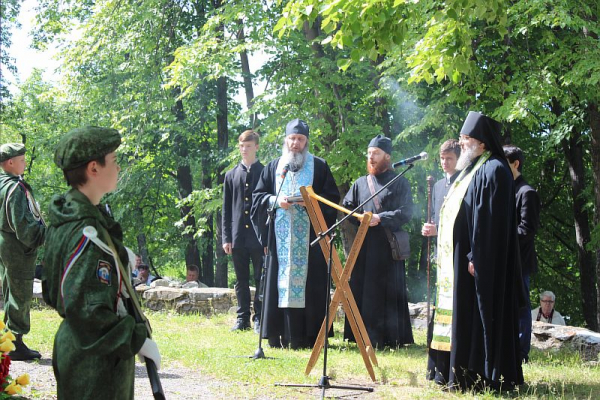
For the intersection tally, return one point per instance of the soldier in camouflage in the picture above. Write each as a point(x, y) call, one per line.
point(22, 232)
point(95, 345)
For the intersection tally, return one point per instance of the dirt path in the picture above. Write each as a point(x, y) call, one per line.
point(177, 382)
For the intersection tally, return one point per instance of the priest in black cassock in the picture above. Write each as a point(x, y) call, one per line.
point(475, 341)
point(378, 282)
point(296, 282)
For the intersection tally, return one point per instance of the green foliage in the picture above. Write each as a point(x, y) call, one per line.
point(353, 69)
point(9, 10)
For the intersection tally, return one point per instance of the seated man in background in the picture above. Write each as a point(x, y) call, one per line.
point(144, 274)
point(192, 274)
point(546, 312)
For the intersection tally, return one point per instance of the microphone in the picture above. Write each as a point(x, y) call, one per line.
point(406, 161)
point(286, 169)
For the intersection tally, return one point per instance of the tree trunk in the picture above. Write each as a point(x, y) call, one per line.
point(222, 136)
point(574, 153)
point(208, 256)
point(222, 143)
point(594, 115)
point(185, 186)
point(143, 248)
point(246, 75)
point(222, 260)
point(208, 263)
point(184, 179)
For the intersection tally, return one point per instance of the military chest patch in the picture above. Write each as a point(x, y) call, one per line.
point(103, 272)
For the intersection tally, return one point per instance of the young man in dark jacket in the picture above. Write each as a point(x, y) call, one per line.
point(528, 221)
point(239, 238)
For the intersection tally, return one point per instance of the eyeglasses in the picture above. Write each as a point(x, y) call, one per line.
point(547, 301)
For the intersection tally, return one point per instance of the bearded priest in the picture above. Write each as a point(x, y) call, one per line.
point(378, 281)
point(475, 339)
point(296, 282)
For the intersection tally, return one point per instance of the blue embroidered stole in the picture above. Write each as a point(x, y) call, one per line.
point(292, 235)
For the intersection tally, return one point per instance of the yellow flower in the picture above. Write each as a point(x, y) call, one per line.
point(2, 326)
point(7, 346)
point(13, 388)
point(23, 380)
point(8, 336)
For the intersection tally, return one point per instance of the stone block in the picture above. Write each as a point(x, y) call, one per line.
point(160, 283)
point(164, 294)
point(203, 294)
point(554, 337)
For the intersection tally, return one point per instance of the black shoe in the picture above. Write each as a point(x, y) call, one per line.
point(22, 352)
point(241, 325)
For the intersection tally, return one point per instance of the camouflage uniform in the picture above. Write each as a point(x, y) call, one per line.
point(22, 231)
point(96, 342)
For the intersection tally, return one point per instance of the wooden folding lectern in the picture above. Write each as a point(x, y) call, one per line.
point(340, 276)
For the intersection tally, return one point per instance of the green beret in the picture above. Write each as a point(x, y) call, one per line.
point(10, 150)
point(82, 145)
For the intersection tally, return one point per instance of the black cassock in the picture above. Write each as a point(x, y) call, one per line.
point(378, 282)
point(485, 325)
point(297, 327)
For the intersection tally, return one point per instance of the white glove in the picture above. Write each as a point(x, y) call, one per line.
point(150, 349)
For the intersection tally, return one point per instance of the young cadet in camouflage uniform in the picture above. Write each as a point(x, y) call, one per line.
point(97, 340)
point(22, 231)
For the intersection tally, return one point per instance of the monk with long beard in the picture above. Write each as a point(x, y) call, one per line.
point(296, 278)
point(378, 281)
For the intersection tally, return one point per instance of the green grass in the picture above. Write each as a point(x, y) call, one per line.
point(205, 344)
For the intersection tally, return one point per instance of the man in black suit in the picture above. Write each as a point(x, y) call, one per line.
point(449, 153)
point(239, 238)
point(528, 218)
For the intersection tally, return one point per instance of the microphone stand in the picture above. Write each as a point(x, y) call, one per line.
point(324, 383)
point(264, 294)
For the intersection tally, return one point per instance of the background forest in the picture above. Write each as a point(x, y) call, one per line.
point(167, 73)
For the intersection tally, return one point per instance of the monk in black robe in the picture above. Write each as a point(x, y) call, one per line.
point(294, 309)
point(378, 282)
point(475, 341)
